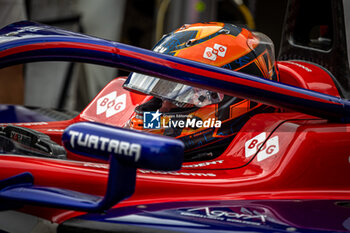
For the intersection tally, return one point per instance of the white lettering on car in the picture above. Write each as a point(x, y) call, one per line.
point(105, 144)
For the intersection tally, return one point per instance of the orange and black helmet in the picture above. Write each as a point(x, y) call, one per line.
point(204, 120)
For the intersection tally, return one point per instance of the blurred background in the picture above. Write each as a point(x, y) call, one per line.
point(71, 86)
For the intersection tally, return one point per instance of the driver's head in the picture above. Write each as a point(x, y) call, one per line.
point(218, 44)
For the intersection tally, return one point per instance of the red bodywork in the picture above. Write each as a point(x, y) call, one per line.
point(285, 155)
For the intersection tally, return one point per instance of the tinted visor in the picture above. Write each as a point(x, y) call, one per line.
point(177, 93)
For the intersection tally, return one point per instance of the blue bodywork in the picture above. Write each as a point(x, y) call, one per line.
point(228, 216)
point(157, 152)
point(69, 46)
point(111, 144)
point(16, 113)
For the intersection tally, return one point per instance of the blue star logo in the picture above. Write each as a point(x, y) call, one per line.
point(155, 115)
point(151, 120)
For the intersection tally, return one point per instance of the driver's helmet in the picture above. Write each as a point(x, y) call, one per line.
point(205, 121)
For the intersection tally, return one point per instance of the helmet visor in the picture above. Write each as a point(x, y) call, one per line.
point(177, 93)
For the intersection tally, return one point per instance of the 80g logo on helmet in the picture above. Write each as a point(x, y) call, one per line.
point(213, 53)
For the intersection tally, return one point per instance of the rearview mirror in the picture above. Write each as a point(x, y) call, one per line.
point(125, 150)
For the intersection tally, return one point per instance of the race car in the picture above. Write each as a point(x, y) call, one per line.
point(207, 134)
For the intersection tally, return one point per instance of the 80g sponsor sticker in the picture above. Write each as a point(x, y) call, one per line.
point(267, 149)
point(111, 104)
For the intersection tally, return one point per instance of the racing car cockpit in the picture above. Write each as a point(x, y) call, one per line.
point(217, 88)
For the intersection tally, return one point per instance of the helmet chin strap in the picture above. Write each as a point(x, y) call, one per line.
point(167, 106)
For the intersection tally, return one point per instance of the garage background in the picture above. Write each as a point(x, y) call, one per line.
point(141, 23)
